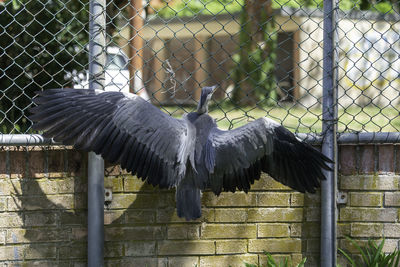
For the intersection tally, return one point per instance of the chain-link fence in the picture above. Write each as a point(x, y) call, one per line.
point(265, 56)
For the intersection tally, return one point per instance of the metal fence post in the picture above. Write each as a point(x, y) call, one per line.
point(97, 42)
point(329, 144)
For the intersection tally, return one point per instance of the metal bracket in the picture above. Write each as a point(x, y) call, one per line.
point(107, 196)
point(341, 198)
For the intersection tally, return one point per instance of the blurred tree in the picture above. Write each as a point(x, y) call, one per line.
point(384, 6)
point(40, 41)
point(181, 8)
point(253, 74)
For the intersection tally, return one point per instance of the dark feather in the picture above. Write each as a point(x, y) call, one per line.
point(242, 153)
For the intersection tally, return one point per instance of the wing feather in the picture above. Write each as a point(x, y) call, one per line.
point(262, 145)
point(121, 127)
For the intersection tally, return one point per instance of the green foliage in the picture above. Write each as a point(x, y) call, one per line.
point(40, 41)
point(183, 8)
point(254, 71)
point(372, 255)
point(271, 262)
point(188, 8)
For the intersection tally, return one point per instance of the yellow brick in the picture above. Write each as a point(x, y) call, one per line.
point(391, 230)
point(114, 250)
point(135, 261)
point(133, 184)
point(115, 183)
point(80, 201)
point(275, 215)
point(314, 259)
point(10, 252)
point(368, 214)
point(137, 201)
point(366, 229)
point(67, 218)
point(15, 236)
point(135, 233)
point(275, 245)
point(231, 246)
point(183, 231)
point(392, 199)
point(366, 199)
point(111, 169)
point(79, 233)
point(169, 215)
point(390, 245)
point(273, 230)
point(348, 246)
point(11, 219)
point(2, 237)
point(343, 229)
point(296, 259)
point(49, 186)
point(313, 246)
point(268, 183)
point(273, 199)
point(296, 229)
point(61, 201)
point(140, 216)
point(297, 200)
point(166, 199)
point(229, 199)
point(195, 247)
point(183, 261)
point(311, 229)
point(39, 251)
point(140, 248)
point(313, 214)
point(8, 186)
point(369, 182)
point(113, 216)
point(3, 203)
point(231, 215)
point(211, 231)
point(312, 200)
point(231, 260)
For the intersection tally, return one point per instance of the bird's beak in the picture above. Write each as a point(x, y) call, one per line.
point(214, 88)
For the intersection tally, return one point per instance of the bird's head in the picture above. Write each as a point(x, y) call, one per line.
point(206, 93)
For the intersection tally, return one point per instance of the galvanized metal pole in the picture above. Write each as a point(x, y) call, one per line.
point(97, 42)
point(329, 144)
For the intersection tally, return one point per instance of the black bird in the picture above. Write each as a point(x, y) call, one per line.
point(190, 153)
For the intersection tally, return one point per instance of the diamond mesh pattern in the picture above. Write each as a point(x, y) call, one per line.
point(266, 57)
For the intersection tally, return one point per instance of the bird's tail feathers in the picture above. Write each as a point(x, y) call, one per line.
point(188, 202)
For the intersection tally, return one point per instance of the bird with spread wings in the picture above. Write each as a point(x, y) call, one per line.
point(191, 153)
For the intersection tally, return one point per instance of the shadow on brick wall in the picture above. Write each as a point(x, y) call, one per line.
point(48, 218)
point(47, 207)
point(48, 193)
point(311, 228)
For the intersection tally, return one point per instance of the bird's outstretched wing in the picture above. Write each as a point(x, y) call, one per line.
point(236, 158)
point(123, 128)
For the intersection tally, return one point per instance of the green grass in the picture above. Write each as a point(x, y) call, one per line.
point(299, 119)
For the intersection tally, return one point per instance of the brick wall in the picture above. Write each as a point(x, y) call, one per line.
point(369, 176)
point(43, 214)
